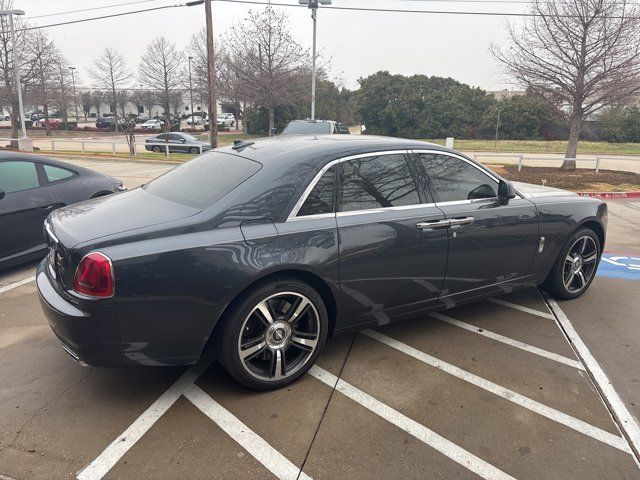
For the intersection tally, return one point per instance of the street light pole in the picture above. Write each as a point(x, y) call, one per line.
point(16, 67)
point(313, 5)
point(190, 88)
point(75, 95)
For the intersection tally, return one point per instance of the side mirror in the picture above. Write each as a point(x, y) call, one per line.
point(506, 192)
point(1, 194)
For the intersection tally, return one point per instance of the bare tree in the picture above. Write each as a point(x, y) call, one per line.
point(122, 98)
point(584, 52)
point(97, 99)
point(45, 58)
point(110, 72)
point(161, 69)
point(64, 91)
point(86, 100)
point(144, 98)
point(269, 65)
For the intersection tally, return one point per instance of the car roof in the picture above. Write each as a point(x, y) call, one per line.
point(320, 149)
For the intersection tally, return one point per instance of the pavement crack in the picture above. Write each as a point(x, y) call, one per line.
point(306, 455)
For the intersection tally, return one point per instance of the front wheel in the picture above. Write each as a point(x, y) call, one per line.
point(273, 335)
point(576, 266)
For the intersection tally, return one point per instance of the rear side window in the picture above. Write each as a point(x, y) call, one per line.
point(320, 200)
point(377, 182)
point(17, 176)
point(56, 173)
point(202, 181)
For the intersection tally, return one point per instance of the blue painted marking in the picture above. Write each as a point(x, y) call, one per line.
point(619, 266)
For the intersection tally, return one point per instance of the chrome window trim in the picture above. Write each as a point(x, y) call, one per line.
point(385, 209)
point(466, 202)
point(296, 208)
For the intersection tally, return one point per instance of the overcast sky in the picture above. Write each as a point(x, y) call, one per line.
point(357, 43)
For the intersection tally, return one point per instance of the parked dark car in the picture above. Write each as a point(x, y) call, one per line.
point(262, 250)
point(106, 122)
point(314, 127)
point(30, 188)
point(178, 142)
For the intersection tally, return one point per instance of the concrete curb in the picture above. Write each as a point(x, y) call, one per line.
point(610, 195)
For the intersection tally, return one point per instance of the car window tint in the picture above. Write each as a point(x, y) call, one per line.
point(375, 182)
point(175, 138)
point(56, 173)
point(17, 176)
point(320, 199)
point(202, 181)
point(453, 179)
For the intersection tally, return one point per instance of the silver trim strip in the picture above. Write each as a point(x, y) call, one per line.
point(460, 157)
point(47, 227)
point(307, 191)
point(385, 209)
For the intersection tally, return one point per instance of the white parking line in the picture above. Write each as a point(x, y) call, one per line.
point(521, 308)
point(514, 397)
point(625, 420)
point(11, 286)
point(121, 445)
point(273, 460)
point(417, 430)
point(509, 341)
point(185, 386)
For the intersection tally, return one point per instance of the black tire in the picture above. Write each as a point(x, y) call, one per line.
point(194, 150)
point(156, 149)
point(564, 281)
point(244, 318)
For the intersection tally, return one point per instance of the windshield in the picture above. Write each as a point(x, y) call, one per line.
point(204, 180)
point(307, 127)
point(189, 138)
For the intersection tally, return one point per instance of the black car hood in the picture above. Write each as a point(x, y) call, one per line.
point(114, 214)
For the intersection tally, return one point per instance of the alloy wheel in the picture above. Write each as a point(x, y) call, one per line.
point(580, 264)
point(279, 336)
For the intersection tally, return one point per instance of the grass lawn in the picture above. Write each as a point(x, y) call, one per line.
point(543, 146)
point(579, 180)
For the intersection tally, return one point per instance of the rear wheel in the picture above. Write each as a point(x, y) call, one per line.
point(157, 149)
point(576, 266)
point(273, 335)
point(194, 150)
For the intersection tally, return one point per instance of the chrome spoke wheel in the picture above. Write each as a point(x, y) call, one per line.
point(580, 264)
point(279, 336)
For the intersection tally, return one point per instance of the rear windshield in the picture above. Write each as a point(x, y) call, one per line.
point(202, 181)
point(307, 127)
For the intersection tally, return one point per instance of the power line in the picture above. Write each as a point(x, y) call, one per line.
point(103, 7)
point(113, 15)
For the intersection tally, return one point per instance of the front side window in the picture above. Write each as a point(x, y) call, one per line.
point(56, 173)
point(379, 181)
point(453, 179)
point(17, 176)
point(320, 200)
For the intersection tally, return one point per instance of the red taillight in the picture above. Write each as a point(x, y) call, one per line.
point(94, 276)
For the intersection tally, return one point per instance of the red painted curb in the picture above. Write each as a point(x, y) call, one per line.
point(610, 194)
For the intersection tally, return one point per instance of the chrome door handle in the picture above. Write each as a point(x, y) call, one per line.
point(461, 222)
point(433, 225)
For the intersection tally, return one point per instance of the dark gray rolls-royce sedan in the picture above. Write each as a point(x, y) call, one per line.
point(264, 249)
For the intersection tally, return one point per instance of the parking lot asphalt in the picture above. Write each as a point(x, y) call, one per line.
point(489, 390)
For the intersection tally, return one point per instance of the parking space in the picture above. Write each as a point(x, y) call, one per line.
point(488, 390)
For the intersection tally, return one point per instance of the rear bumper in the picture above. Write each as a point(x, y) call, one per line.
point(90, 332)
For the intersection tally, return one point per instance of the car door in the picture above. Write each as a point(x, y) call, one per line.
point(491, 246)
point(23, 207)
point(392, 243)
point(177, 143)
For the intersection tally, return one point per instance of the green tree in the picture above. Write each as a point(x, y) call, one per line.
point(524, 117)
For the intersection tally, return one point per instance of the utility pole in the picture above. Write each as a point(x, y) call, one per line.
point(75, 95)
point(190, 88)
point(213, 114)
point(16, 69)
point(313, 5)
